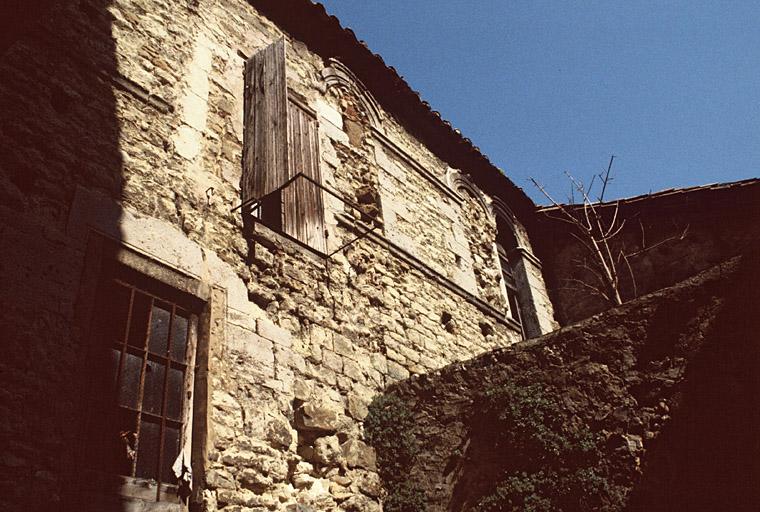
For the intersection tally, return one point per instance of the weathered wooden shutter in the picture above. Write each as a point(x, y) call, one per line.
point(281, 139)
point(302, 202)
point(265, 136)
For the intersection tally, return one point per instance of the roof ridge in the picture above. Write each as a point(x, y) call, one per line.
point(666, 192)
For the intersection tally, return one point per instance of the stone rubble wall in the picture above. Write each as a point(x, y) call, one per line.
point(125, 118)
point(656, 378)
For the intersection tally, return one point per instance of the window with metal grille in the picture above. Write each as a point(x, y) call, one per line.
point(142, 361)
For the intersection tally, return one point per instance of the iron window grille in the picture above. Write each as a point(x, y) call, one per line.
point(142, 354)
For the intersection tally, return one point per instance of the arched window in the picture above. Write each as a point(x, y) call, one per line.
point(525, 290)
point(506, 245)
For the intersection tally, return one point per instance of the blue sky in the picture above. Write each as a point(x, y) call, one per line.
point(542, 87)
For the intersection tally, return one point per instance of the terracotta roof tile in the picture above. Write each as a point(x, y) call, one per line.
point(300, 17)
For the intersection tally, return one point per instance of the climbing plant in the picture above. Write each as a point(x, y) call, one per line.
point(554, 461)
point(389, 428)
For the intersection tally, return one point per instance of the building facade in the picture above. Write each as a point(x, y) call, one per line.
point(226, 226)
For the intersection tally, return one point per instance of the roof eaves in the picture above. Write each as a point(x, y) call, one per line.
point(310, 23)
point(668, 193)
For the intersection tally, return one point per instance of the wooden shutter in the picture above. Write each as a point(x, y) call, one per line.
point(265, 136)
point(302, 202)
point(280, 140)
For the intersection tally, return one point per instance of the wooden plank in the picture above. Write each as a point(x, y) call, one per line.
point(280, 139)
point(265, 138)
point(303, 208)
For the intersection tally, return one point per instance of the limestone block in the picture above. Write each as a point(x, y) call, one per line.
point(303, 481)
point(220, 479)
point(321, 373)
point(368, 482)
point(360, 503)
point(287, 357)
point(408, 353)
point(429, 362)
point(228, 408)
point(327, 451)
point(375, 378)
point(319, 495)
point(343, 480)
point(271, 464)
point(344, 383)
point(279, 433)
point(332, 360)
point(353, 371)
point(379, 363)
point(245, 498)
point(323, 415)
point(187, 142)
point(358, 404)
point(328, 112)
point(343, 346)
point(241, 319)
point(396, 371)
point(272, 332)
point(248, 343)
point(194, 111)
point(359, 455)
point(255, 480)
point(315, 353)
point(334, 133)
point(393, 355)
point(363, 358)
point(339, 492)
point(302, 389)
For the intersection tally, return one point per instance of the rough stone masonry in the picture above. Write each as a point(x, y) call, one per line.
point(122, 128)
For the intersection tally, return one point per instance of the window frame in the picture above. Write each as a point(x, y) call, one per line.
point(147, 355)
point(87, 485)
point(512, 295)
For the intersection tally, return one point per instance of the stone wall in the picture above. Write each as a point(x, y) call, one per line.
point(124, 121)
point(718, 221)
point(667, 380)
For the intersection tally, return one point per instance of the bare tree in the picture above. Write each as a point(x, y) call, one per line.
point(598, 229)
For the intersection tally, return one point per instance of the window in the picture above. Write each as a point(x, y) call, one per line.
point(281, 142)
point(508, 252)
point(507, 274)
point(141, 362)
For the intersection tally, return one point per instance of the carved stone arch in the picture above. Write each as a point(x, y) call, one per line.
point(337, 74)
point(460, 183)
point(506, 218)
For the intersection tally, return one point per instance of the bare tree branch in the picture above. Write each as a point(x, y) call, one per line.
point(606, 179)
point(630, 272)
point(661, 242)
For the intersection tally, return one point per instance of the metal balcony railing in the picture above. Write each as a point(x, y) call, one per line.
point(253, 208)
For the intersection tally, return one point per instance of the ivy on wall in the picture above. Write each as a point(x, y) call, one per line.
point(389, 429)
point(553, 461)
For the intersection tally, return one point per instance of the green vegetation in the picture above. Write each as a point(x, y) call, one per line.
point(389, 428)
point(554, 461)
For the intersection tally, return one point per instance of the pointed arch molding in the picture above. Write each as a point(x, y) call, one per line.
point(336, 74)
point(461, 183)
point(501, 211)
